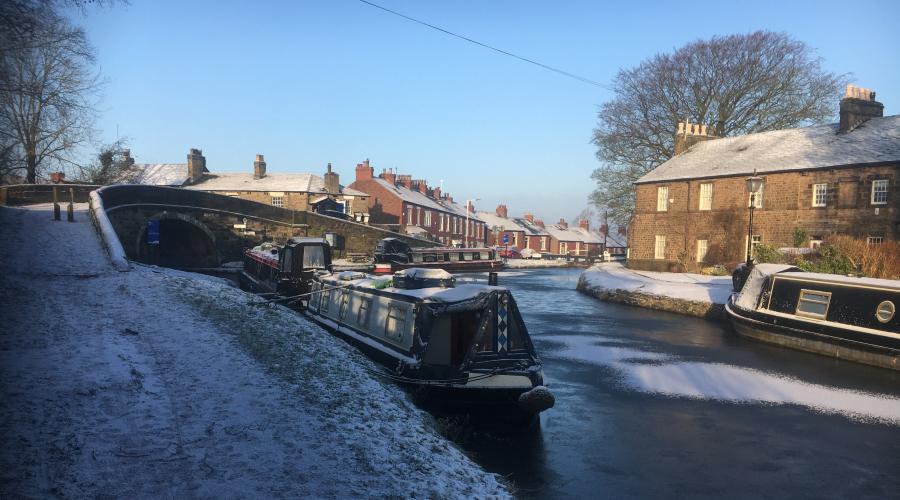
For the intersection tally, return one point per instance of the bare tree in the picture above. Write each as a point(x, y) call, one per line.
point(47, 87)
point(736, 84)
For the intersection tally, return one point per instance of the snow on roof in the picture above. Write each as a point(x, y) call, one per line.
point(531, 228)
point(875, 141)
point(293, 182)
point(615, 240)
point(419, 198)
point(494, 220)
point(159, 174)
point(435, 294)
point(573, 234)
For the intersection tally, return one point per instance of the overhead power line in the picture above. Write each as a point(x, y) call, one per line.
point(495, 49)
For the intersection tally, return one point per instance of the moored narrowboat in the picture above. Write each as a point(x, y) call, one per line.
point(843, 317)
point(399, 255)
point(462, 349)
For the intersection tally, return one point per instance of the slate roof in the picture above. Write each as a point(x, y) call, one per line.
point(615, 240)
point(573, 234)
point(530, 228)
point(875, 141)
point(158, 174)
point(494, 220)
point(418, 198)
point(299, 182)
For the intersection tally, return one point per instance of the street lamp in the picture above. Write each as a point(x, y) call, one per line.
point(468, 204)
point(754, 184)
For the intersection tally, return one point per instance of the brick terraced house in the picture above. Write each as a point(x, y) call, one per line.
point(526, 232)
point(408, 205)
point(841, 178)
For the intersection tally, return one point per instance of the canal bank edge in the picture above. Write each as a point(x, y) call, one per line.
point(613, 282)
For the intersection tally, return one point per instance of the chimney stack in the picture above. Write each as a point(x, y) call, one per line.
point(332, 181)
point(584, 224)
point(126, 158)
point(563, 224)
point(364, 172)
point(689, 134)
point(422, 186)
point(57, 177)
point(529, 218)
point(259, 167)
point(501, 211)
point(623, 231)
point(390, 176)
point(406, 180)
point(857, 106)
point(437, 193)
point(604, 229)
point(539, 223)
point(196, 164)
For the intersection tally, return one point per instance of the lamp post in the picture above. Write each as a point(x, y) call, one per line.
point(468, 204)
point(754, 183)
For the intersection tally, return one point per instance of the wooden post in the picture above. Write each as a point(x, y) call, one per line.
point(55, 204)
point(71, 209)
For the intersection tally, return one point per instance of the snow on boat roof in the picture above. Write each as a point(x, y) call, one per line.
point(441, 295)
point(418, 272)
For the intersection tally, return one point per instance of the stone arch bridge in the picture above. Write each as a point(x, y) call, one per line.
point(203, 230)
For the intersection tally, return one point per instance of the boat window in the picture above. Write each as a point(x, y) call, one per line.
point(417, 257)
point(476, 256)
point(488, 340)
point(885, 311)
point(287, 257)
point(344, 301)
point(362, 314)
point(466, 255)
point(314, 257)
point(430, 257)
point(454, 256)
point(325, 300)
point(396, 322)
point(813, 304)
point(485, 256)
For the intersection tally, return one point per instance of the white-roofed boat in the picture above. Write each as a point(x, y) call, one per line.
point(840, 316)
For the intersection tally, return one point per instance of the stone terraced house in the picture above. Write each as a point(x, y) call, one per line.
point(842, 178)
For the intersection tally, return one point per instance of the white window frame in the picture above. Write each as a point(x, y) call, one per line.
point(662, 199)
point(878, 192)
point(754, 242)
point(659, 247)
point(543, 243)
point(278, 201)
point(702, 250)
point(409, 215)
point(874, 240)
point(820, 191)
point(428, 218)
point(816, 297)
point(362, 313)
point(396, 318)
point(706, 197)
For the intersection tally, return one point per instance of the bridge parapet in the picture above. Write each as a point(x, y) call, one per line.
point(206, 229)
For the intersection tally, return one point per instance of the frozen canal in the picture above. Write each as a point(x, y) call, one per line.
point(653, 405)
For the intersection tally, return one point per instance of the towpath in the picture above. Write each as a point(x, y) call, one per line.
point(156, 383)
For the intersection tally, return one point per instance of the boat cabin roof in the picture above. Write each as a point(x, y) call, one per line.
point(458, 293)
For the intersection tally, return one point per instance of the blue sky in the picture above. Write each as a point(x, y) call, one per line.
point(307, 83)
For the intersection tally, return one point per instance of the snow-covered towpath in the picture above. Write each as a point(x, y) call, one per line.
point(155, 383)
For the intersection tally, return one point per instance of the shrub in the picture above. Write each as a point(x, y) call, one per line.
point(767, 254)
point(800, 237)
point(876, 261)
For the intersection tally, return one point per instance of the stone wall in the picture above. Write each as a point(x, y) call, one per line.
point(786, 205)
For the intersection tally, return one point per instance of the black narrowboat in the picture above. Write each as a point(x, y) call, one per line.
point(840, 316)
point(461, 349)
point(285, 269)
point(398, 255)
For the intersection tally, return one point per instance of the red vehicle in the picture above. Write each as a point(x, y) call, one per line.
point(509, 253)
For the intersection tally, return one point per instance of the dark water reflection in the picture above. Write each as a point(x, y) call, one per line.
point(616, 432)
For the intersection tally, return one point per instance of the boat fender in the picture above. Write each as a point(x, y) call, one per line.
point(537, 400)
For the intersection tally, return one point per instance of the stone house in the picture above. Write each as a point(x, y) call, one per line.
point(842, 178)
point(409, 206)
point(297, 191)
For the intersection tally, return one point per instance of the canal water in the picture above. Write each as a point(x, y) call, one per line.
point(653, 404)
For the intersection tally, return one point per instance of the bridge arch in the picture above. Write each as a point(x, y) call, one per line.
point(184, 242)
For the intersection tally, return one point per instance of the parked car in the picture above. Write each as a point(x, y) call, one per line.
point(509, 253)
point(531, 254)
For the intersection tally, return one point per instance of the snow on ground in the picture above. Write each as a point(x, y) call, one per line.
point(155, 383)
point(684, 286)
point(661, 374)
